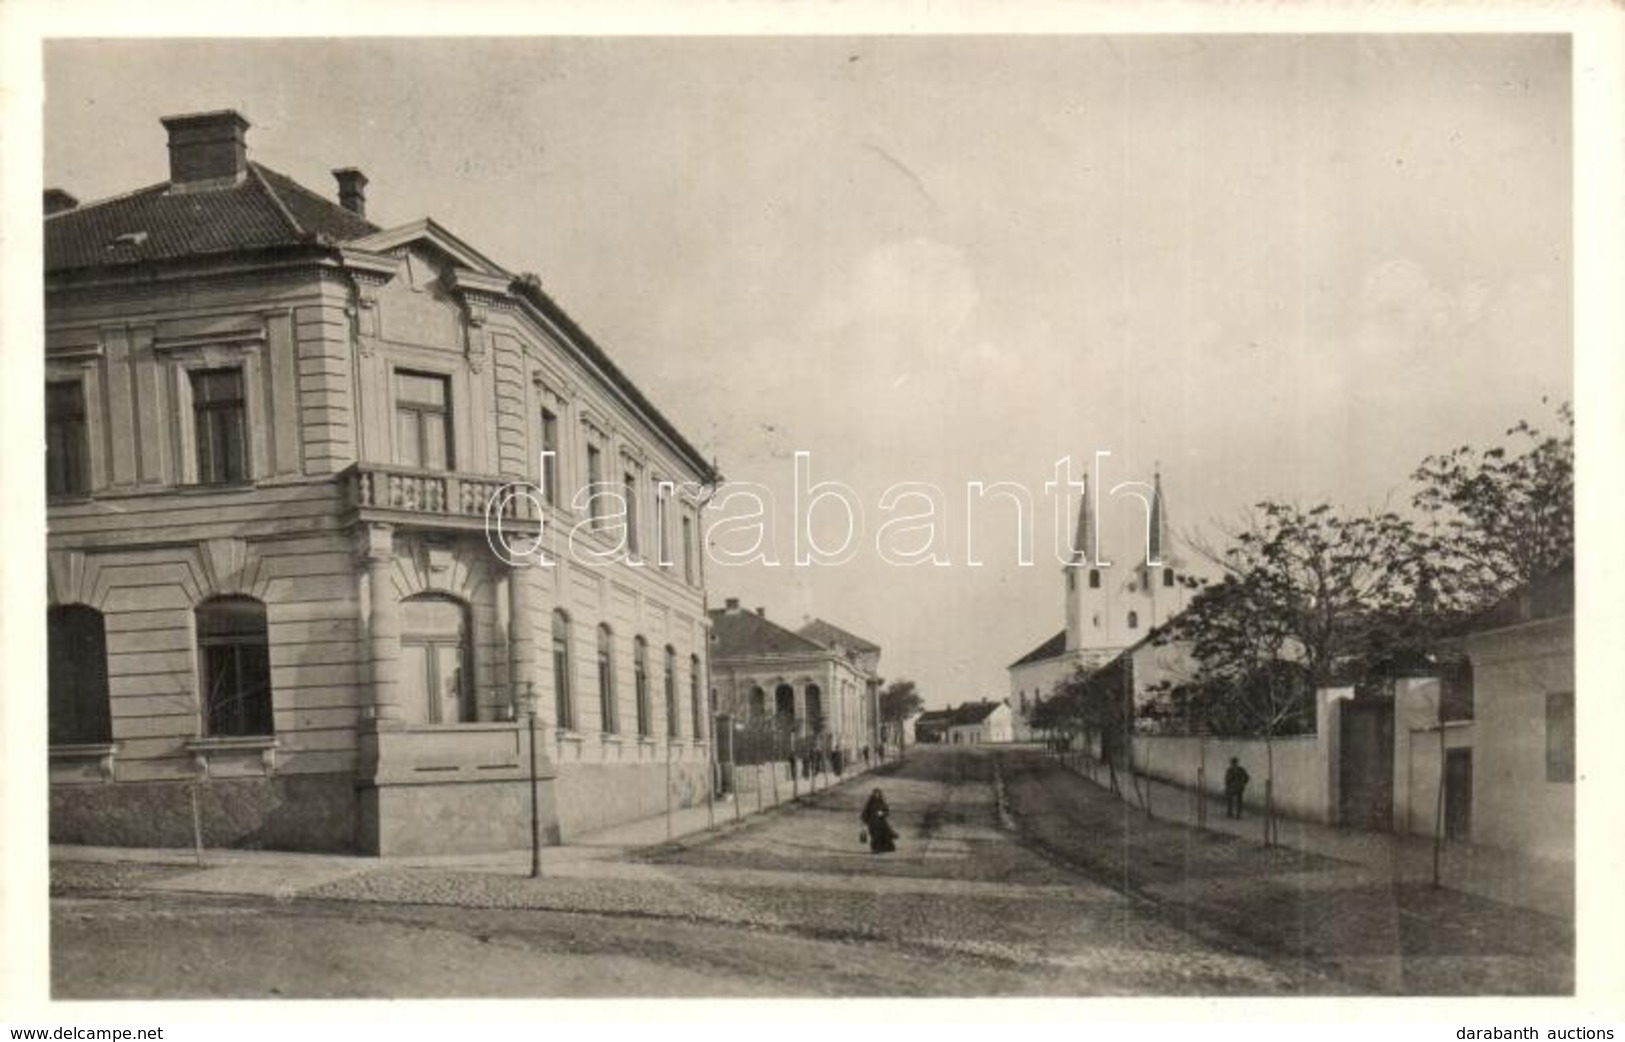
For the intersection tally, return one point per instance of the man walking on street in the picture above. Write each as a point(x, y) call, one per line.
point(1235, 784)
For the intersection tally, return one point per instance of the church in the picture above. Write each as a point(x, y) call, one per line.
point(1108, 608)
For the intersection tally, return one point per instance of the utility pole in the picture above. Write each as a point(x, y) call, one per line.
point(535, 800)
point(1438, 808)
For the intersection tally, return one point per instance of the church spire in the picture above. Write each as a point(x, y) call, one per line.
point(1157, 544)
point(1080, 537)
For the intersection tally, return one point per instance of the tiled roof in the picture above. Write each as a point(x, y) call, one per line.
point(742, 634)
point(974, 713)
point(264, 209)
point(829, 634)
point(1047, 650)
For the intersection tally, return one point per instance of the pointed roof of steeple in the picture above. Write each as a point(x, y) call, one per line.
point(1159, 521)
point(1080, 537)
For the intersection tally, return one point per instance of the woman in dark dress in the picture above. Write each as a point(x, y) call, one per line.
point(876, 819)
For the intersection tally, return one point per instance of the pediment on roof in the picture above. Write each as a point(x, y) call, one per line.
point(468, 267)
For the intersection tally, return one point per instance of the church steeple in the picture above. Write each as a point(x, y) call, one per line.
point(1157, 542)
point(1081, 535)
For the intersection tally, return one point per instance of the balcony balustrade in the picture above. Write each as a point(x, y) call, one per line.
point(432, 498)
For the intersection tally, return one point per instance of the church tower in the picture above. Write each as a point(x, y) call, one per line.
point(1110, 608)
point(1076, 573)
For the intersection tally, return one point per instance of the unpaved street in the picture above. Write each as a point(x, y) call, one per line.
point(1012, 877)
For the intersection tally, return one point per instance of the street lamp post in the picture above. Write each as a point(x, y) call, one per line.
point(529, 702)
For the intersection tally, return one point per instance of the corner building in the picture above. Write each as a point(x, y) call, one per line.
point(274, 428)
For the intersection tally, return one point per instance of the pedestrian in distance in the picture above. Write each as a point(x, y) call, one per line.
point(1235, 785)
point(877, 827)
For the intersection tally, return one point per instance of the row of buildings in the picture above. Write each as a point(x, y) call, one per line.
point(986, 722)
point(275, 432)
point(1493, 722)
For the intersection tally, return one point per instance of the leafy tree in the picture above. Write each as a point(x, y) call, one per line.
point(899, 701)
point(1500, 517)
point(1307, 597)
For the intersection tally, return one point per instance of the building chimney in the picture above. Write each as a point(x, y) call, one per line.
point(352, 190)
point(56, 201)
point(206, 146)
point(732, 604)
point(762, 612)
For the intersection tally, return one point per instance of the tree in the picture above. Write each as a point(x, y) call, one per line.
point(900, 701)
point(1500, 517)
point(1307, 597)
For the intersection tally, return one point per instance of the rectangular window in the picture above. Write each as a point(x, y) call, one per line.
point(629, 484)
point(550, 457)
point(595, 482)
point(219, 427)
point(1560, 737)
point(423, 421)
point(662, 527)
point(688, 550)
point(67, 447)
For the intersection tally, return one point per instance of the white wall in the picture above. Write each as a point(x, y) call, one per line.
point(1301, 774)
point(1514, 805)
point(1416, 753)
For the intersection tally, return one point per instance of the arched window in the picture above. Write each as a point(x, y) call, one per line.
point(758, 703)
point(1133, 620)
point(607, 716)
point(784, 705)
point(673, 720)
point(564, 703)
point(76, 661)
point(437, 676)
point(435, 679)
point(1094, 578)
point(696, 697)
point(234, 662)
point(640, 679)
point(815, 709)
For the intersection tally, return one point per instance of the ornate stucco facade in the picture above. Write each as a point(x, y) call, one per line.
point(816, 685)
point(276, 429)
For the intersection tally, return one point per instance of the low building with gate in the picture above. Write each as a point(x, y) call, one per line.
point(782, 693)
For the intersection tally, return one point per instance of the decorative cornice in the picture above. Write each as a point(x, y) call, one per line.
point(185, 342)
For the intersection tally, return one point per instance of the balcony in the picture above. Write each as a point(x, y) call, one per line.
point(431, 499)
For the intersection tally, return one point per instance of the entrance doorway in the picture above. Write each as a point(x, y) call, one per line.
point(1458, 794)
point(436, 682)
point(1366, 773)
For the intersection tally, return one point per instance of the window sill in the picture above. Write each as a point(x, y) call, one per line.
point(202, 749)
point(198, 488)
point(570, 736)
point(102, 752)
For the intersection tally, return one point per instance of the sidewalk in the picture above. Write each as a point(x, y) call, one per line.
point(284, 874)
point(1542, 886)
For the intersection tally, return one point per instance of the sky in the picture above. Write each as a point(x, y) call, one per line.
point(1269, 266)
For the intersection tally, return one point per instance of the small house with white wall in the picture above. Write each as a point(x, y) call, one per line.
point(1498, 731)
point(981, 723)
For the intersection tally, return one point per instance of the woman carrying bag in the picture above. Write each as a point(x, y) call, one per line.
point(877, 829)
